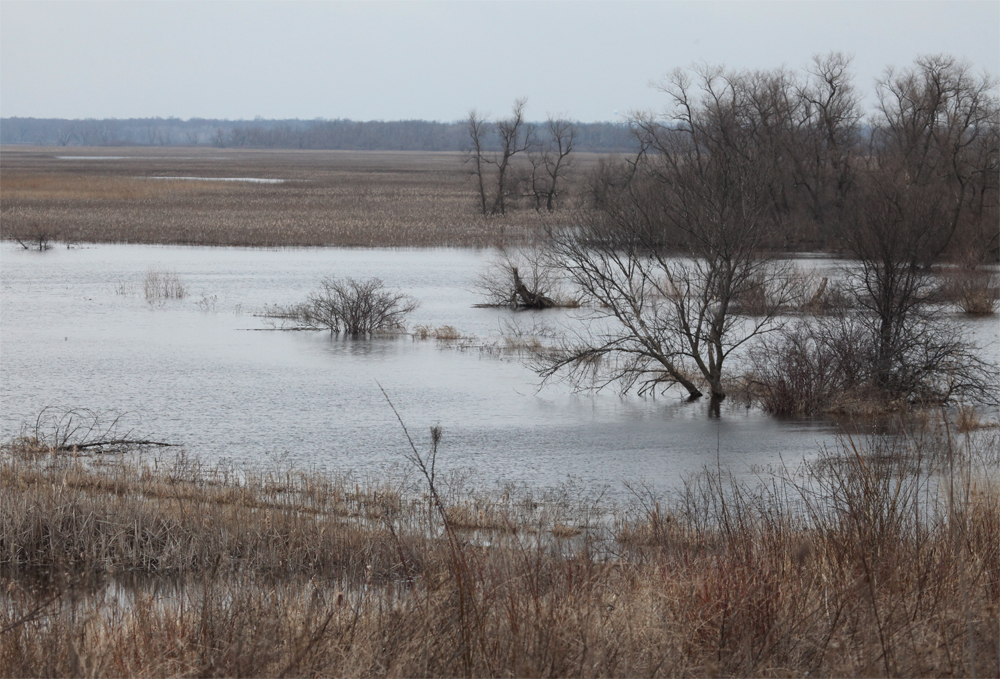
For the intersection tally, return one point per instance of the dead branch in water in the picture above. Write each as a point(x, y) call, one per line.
point(116, 442)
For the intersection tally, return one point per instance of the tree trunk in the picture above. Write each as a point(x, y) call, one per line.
point(529, 299)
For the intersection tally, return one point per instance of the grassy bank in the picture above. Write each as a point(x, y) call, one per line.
point(337, 198)
point(123, 565)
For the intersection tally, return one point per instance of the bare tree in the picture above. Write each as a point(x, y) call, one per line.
point(823, 149)
point(914, 353)
point(493, 168)
point(478, 128)
point(86, 132)
point(677, 245)
point(107, 131)
point(550, 163)
point(936, 124)
point(64, 135)
point(514, 136)
point(152, 130)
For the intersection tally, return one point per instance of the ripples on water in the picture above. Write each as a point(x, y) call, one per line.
point(198, 372)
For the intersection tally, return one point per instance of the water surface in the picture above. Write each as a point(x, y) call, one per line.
point(200, 372)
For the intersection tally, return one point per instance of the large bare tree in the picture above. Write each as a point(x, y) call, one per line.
point(936, 128)
point(823, 149)
point(493, 147)
point(913, 351)
point(674, 257)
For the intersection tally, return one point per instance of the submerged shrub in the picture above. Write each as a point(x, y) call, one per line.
point(974, 290)
point(160, 285)
point(350, 306)
point(832, 364)
point(523, 278)
point(808, 367)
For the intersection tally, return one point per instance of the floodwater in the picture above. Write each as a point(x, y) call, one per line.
point(202, 372)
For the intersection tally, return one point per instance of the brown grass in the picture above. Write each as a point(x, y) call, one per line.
point(968, 418)
point(128, 568)
point(973, 289)
point(447, 333)
point(339, 198)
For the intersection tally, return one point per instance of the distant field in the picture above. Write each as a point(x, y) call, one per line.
point(341, 198)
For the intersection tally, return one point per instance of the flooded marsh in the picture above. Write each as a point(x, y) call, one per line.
point(204, 372)
point(290, 530)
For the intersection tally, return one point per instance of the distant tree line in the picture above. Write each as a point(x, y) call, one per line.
point(351, 135)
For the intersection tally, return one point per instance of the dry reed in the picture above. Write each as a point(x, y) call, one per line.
point(975, 290)
point(333, 198)
point(446, 333)
point(162, 285)
point(881, 560)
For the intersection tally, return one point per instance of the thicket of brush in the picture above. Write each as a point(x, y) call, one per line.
point(354, 307)
point(881, 558)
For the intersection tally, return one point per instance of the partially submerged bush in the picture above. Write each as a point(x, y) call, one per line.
point(819, 295)
point(350, 306)
point(40, 241)
point(831, 364)
point(973, 289)
point(791, 290)
point(807, 368)
point(160, 285)
point(32, 234)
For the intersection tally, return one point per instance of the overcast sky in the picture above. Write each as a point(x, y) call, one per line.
point(436, 60)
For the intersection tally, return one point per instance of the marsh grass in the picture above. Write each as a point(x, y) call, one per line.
point(445, 333)
point(162, 285)
point(975, 290)
point(156, 286)
point(969, 418)
point(126, 287)
point(880, 558)
point(330, 198)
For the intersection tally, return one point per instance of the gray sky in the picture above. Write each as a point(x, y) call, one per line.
point(436, 60)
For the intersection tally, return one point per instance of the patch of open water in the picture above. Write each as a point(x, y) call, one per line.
point(141, 158)
point(252, 180)
point(199, 374)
